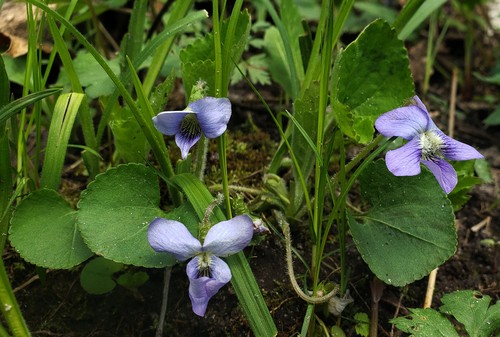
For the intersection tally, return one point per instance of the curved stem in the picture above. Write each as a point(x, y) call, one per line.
point(291, 274)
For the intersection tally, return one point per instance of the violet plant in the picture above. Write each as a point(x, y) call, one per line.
point(128, 196)
point(121, 217)
point(370, 77)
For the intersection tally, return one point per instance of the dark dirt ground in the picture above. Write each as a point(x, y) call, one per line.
point(59, 306)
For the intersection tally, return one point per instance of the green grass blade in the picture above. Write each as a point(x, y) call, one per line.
point(85, 118)
point(220, 88)
point(243, 280)
point(294, 77)
point(413, 14)
point(169, 31)
point(143, 100)
point(135, 32)
point(227, 47)
point(5, 166)
point(306, 136)
point(313, 66)
point(19, 104)
point(34, 61)
point(10, 308)
point(69, 11)
point(64, 115)
point(153, 137)
point(179, 10)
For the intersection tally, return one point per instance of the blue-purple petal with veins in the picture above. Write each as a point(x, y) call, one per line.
point(229, 237)
point(173, 237)
point(202, 288)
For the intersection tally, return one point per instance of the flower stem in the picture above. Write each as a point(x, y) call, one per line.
point(289, 262)
point(166, 283)
point(200, 158)
point(221, 91)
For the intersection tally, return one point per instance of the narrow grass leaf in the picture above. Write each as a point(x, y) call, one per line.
point(295, 77)
point(19, 104)
point(417, 12)
point(5, 168)
point(85, 117)
point(135, 35)
point(179, 10)
point(150, 132)
point(63, 117)
point(307, 139)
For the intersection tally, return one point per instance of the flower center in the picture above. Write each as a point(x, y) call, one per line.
point(204, 260)
point(431, 144)
point(190, 128)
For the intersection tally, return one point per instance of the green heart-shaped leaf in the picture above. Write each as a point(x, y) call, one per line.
point(115, 211)
point(44, 231)
point(370, 77)
point(409, 229)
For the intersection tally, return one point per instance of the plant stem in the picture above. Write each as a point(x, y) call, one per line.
point(9, 306)
point(166, 283)
point(291, 273)
point(319, 190)
point(221, 91)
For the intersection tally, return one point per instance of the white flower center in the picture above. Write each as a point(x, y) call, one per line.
point(431, 144)
point(204, 261)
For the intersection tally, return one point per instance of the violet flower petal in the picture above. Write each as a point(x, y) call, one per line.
point(405, 122)
point(229, 237)
point(443, 171)
point(213, 115)
point(455, 150)
point(202, 288)
point(405, 161)
point(419, 103)
point(173, 237)
point(169, 122)
point(185, 143)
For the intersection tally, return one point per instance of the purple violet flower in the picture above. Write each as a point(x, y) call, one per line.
point(208, 115)
point(206, 271)
point(426, 144)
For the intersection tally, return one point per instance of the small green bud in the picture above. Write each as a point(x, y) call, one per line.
point(199, 91)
